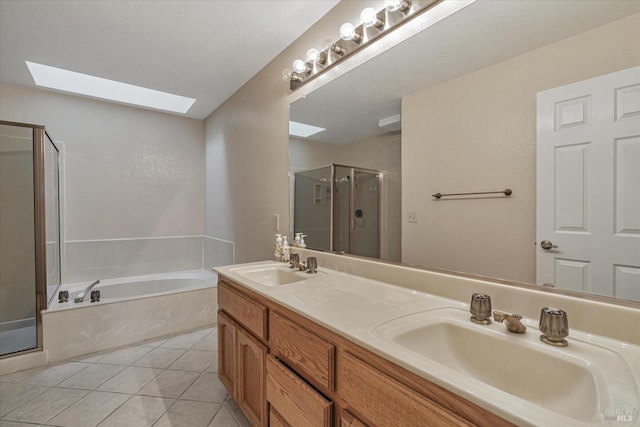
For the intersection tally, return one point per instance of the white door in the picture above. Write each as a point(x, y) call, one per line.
point(588, 185)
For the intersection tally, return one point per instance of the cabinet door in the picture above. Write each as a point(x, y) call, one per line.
point(250, 389)
point(348, 420)
point(227, 353)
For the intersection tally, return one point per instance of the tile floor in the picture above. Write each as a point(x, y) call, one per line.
point(162, 383)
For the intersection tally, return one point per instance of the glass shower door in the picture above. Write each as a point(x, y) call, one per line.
point(18, 296)
point(365, 240)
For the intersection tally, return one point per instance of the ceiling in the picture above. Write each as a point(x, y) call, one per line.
point(481, 34)
point(204, 49)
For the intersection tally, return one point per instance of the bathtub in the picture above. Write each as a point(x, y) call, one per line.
point(130, 309)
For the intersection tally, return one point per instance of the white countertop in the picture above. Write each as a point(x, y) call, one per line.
point(352, 306)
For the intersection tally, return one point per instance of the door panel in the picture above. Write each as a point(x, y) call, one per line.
point(588, 185)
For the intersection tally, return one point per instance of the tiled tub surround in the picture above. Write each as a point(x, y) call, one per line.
point(372, 293)
point(131, 309)
point(170, 381)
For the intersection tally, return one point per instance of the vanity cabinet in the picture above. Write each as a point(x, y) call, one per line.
point(285, 370)
point(242, 356)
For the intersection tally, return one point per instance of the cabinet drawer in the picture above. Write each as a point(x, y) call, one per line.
point(295, 401)
point(384, 401)
point(307, 353)
point(250, 314)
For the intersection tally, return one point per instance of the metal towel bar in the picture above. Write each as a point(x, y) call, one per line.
point(506, 192)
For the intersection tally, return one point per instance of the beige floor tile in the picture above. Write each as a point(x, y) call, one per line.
point(92, 377)
point(206, 388)
point(125, 356)
point(188, 413)
point(237, 413)
point(90, 410)
point(54, 375)
point(130, 380)
point(160, 357)
point(205, 331)
point(13, 395)
point(139, 411)
point(89, 358)
point(194, 360)
point(182, 341)
point(213, 367)
point(46, 406)
point(169, 384)
point(154, 342)
point(224, 419)
point(18, 376)
point(209, 342)
point(13, 424)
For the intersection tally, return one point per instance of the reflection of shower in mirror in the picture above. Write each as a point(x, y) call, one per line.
point(351, 223)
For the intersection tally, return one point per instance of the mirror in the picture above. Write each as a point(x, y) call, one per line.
point(466, 89)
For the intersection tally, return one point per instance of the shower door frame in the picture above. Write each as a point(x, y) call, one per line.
point(352, 219)
point(40, 240)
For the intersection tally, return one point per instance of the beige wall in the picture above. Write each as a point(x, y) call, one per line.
point(247, 142)
point(478, 133)
point(132, 177)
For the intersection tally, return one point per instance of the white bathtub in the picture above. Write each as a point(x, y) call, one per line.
point(128, 288)
point(130, 309)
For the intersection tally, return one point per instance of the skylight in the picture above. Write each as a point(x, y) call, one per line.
point(303, 130)
point(97, 87)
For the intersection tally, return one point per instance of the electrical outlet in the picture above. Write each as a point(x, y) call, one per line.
point(276, 222)
point(412, 216)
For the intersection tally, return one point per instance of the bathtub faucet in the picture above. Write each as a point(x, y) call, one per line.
point(84, 293)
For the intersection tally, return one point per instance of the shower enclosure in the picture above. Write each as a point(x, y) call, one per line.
point(29, 233)
point(338, 208)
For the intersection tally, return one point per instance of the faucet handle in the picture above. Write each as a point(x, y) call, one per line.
point(312, 264)
point(295, 258)
point(554, 326)
point(480, 308)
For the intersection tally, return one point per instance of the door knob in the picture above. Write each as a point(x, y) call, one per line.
point(546, 245)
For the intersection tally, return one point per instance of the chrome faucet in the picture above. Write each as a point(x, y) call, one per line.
point(84, 293)
point(311, 266)
point(294, 260)
point(511, 321)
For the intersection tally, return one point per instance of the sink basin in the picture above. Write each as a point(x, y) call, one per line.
point(578, 382)
point(271, 274)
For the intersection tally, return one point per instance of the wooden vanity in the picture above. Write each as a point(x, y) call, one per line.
point(284, 369)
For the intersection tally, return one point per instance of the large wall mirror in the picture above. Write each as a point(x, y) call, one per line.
point(463, 107)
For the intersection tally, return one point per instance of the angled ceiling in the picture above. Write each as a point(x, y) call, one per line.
point(200, 49)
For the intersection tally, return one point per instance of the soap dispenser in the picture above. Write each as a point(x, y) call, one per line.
point(302, 243)
point(296, 240)
point(285, 249)
point(277, 248)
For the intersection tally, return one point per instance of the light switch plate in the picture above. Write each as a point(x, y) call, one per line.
point(412, 216)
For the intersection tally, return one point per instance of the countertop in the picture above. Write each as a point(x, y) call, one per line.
point(353, 306)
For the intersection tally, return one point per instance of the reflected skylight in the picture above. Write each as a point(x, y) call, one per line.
point(303, 130)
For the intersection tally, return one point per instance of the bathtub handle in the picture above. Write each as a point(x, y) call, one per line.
point(84, 293)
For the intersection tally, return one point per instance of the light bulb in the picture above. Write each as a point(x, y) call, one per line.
point(313, 55)
point(299, 66)
point(286, 74)
point(394, 5)
point(369, 18)
point(348, 32)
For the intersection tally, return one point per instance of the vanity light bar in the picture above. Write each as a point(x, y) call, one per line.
point(352, 39)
